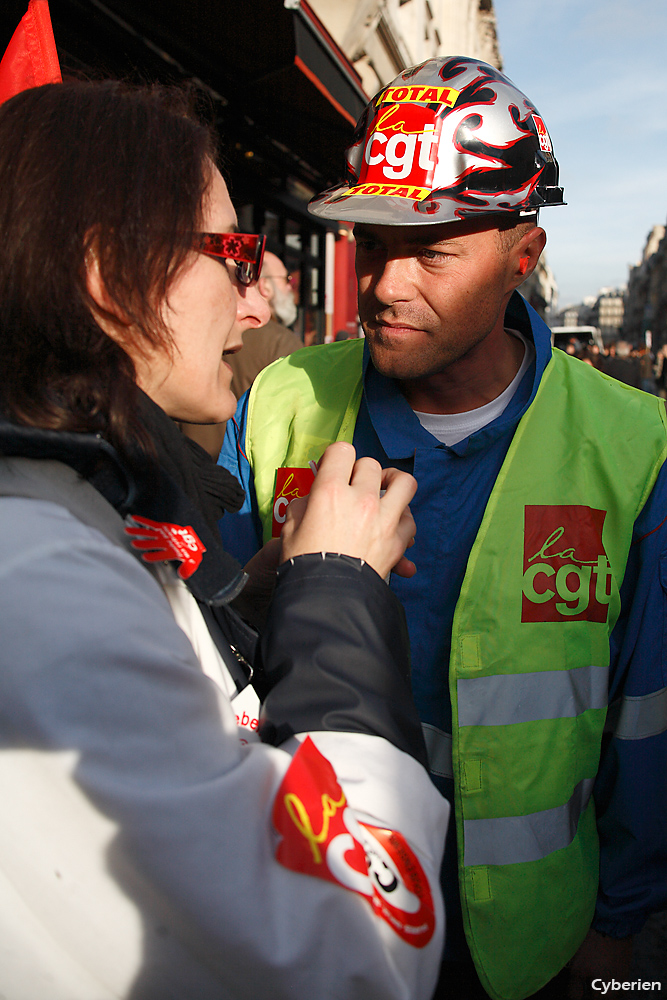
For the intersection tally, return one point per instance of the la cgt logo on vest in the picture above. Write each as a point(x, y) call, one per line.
point(290, 484)
point(566, 572)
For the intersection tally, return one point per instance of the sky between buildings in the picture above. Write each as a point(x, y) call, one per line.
point(597, 72)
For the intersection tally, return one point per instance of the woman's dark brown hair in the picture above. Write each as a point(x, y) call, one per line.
point(86, 168)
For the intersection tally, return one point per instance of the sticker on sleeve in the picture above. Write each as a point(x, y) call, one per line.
point(160, 541)
point(290, 484)
point(322, 838)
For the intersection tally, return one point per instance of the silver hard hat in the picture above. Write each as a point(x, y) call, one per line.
point(450, 139)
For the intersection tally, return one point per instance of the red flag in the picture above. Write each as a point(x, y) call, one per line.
point(31, 58)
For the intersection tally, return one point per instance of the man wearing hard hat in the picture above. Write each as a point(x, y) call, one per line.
point(537, 611)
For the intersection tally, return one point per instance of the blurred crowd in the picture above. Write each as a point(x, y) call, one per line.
point(636, 366)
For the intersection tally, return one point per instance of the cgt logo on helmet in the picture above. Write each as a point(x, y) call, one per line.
point(566, 572)
point(403, 141)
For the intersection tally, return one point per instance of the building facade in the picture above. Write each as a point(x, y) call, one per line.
point(607, 313)
point(382, 37)
point(646, 304)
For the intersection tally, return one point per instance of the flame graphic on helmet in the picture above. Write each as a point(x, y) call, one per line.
point(495, 165)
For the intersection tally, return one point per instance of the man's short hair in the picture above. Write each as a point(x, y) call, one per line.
point(511, 228)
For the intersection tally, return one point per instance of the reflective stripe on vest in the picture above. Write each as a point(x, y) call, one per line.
point(636, 717)
point(512, 840)
point(504, 699)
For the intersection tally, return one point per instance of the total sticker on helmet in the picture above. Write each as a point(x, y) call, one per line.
point(423, 94)
point(321, 837)
point(391, 191)
point(402, 145)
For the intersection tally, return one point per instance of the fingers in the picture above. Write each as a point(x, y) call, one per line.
point(405, 568)
point(399, 487)
point(404, 537)
point(265, 562)
point(354, 508)
point(253, 601)
point(295, 510)
point(336, 463)
point(407, 529)
point(367, 475)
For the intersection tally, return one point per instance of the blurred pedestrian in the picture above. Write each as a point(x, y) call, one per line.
point(646, 374)
point(265, 344)
point(661, 372)
point(621, 365)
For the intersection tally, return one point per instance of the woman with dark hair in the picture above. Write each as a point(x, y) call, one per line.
point(161, 837)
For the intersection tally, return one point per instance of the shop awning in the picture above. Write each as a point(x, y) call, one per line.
point(272, 60)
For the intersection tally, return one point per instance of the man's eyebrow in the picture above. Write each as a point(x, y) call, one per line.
point(422, 240)
point(409, 239)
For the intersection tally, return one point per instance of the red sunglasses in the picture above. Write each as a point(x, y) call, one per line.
point(246, 251)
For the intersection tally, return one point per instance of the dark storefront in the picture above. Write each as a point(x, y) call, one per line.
point(282, 95)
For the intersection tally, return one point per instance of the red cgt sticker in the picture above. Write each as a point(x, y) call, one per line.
point(402, 150)
point(290, 484)
point(321, 837)
point(160, 541)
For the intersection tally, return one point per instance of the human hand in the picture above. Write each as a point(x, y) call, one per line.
point(344, 513)
point(598, 957)
point(253, 601)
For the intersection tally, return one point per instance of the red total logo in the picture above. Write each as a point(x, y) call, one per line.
point(566, 573)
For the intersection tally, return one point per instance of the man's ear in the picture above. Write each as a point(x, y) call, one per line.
point(525, 254)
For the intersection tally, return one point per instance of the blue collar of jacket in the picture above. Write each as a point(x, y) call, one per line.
point(399, 430)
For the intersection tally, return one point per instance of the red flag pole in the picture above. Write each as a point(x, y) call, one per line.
point(30, 58)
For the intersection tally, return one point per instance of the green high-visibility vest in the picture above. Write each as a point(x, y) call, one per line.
point(530, 638)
